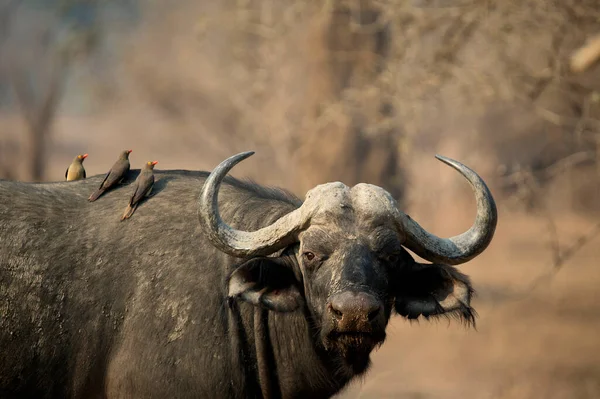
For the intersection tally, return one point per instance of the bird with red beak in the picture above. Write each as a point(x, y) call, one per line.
point(76, 171)
point(115, 175)
point(143, 188)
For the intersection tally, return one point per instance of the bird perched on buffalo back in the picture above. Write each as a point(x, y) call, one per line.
point(115, 175)
point(143, 188)
point(76, 171)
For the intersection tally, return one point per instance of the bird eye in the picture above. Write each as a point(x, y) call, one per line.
point(309, 255)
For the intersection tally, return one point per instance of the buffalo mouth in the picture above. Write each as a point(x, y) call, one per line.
point(356, 339)
point(354, 347)
point(353, 343)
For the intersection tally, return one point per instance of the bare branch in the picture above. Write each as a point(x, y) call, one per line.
point(586, 55)
point(530, 190)
point(564, 121)
point(568, 162)
point(552, 170)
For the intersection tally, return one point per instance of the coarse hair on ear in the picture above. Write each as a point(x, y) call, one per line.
point(433, 290)
point(267, 282)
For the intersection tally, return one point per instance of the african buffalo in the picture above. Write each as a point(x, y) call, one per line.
point(266, 296)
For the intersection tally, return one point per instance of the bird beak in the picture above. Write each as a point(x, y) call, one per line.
point(154, 163)
point(84, 156)
point(129, 151)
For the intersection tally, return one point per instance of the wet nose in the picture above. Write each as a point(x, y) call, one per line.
point(351, 309)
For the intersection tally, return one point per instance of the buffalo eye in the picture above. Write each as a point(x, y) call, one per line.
point(309, 256)
point(392, 258)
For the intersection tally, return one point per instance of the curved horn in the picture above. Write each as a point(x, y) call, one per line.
point(464, 247)
point(237, 242)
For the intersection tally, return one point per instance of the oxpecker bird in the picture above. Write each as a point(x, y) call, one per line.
point(143, 188)
point(115, 175)
point(76, 171)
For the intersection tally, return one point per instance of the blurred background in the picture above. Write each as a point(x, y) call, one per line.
point(356, 91)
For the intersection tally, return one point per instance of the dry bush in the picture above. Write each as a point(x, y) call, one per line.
point(378, 81)
point(281, 77)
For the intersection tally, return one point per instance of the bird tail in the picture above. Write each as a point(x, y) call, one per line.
point(95, 195)
point(129, 211)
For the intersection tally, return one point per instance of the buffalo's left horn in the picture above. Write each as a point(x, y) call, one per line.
point(461, 248)
point(237, 242)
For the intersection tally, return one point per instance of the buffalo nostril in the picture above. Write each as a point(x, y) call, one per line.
point(373, 314)
point(336, 313)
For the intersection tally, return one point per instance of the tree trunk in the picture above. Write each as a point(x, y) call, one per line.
point(39, 113)
point(37, 151)
point(349, 109)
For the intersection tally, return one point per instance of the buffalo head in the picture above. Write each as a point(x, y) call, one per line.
point(340, 258)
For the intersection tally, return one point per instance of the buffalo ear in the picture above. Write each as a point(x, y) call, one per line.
point(434, 290)
point(267, 282)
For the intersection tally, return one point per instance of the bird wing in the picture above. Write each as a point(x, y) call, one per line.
point(115, 174)
point(142, 188)
point(67, 172)
point(84, 175)
point(105, 177)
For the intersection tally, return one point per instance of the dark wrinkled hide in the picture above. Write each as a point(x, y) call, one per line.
point(94, 308)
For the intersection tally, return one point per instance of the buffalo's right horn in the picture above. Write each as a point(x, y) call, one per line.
point(463, 247)
point(240, 243)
